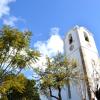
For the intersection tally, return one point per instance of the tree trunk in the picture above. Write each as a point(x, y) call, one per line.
point(51, 94)
point(69, 91)
point(59, 93)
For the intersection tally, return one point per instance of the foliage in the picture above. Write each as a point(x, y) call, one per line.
point(31, 92)
point(59, 71)
point(12, 81)
point(19, 88)
point(15, 53)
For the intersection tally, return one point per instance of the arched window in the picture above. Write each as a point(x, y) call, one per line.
point(86, 37)
point(70, 39)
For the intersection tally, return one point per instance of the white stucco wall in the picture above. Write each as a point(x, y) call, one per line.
point(89, 50)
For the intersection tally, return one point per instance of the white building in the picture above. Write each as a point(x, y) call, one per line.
point(79, 44)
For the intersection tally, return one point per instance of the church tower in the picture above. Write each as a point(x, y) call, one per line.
point(79, 44)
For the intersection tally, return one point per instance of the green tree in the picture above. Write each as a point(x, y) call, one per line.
point(19, 88)
point(31, 91)
point(14, 81)
point(10, 82)
point(15, 55)
point(59, 71)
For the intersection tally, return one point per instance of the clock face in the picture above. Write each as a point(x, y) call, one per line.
point(71, 47)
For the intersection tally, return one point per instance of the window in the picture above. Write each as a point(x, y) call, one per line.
point(71, 47)
point(86, 37)
point(70, 39)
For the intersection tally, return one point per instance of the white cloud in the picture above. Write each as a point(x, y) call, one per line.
point(54, 30)
point(41, 63)
point(10, 21)
point(4, 8)
point(5, 13)
point(52, 46)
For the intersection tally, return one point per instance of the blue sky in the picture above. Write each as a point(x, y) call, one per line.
point(41, 16)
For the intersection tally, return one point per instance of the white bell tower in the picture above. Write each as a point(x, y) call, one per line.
point(79, 44)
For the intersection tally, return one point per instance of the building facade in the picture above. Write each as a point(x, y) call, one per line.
point(79, 44)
